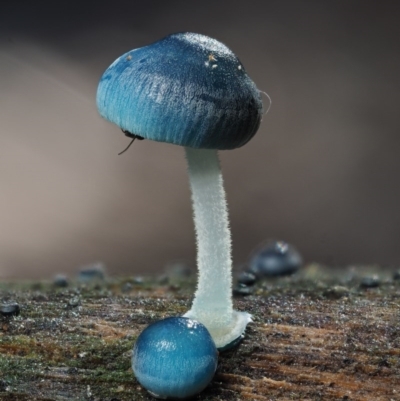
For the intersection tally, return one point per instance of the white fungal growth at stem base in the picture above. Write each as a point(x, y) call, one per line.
point(212, 304)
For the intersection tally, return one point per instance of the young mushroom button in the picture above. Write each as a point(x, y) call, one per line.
point(191, 90)
point(174, 358)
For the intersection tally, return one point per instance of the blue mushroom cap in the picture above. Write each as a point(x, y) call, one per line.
point(276, 258)
point(186, 89)
point(174, 358)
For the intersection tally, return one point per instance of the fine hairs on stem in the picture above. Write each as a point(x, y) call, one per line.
point(212, 304)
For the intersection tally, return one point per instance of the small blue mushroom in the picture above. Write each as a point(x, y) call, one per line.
point(191, 90)
point(276, 258)
point(174, 358)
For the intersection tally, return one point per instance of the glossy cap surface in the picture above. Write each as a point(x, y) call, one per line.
point(174, 358)
point(186, 89)
point(275, 258)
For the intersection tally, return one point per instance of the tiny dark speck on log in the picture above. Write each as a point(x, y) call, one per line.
point(9, 309)
point(370, 282)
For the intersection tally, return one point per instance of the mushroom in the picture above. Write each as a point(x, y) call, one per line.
point(275, 258)
point(191, 90)
point(174, 358)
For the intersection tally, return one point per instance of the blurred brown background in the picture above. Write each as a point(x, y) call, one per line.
point(322, 172)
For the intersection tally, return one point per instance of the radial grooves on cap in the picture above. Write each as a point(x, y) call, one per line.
point(186, 89)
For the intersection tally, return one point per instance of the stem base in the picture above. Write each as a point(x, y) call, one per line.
point(228, 336)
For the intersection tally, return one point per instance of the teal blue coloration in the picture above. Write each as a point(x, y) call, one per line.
point(174, 358)
point(186, 89)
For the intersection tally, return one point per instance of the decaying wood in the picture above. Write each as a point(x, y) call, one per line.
point(316, 336)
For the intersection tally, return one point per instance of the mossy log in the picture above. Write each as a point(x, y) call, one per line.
point(317, 335)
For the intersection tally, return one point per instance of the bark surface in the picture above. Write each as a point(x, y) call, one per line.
point(317, 335)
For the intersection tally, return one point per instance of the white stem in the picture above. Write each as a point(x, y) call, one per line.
point(212, 304)
point(214, 289)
